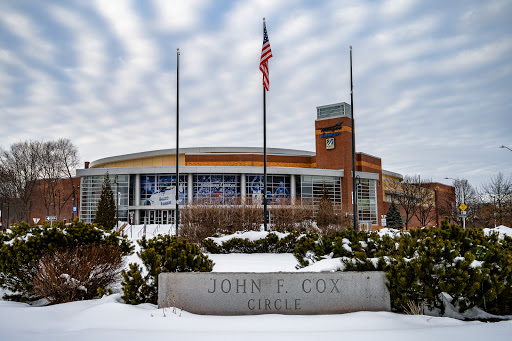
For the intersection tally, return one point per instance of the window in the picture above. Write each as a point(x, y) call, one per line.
point(312, 188)
point(160, 190)
point(278, 188)
point(367, 201)
point(90, 191)
point(216, 188)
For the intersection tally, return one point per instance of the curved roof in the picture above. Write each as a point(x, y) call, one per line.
point(201, 151)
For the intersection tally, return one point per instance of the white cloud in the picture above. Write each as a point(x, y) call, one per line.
point(179, 15)
point(34, 44)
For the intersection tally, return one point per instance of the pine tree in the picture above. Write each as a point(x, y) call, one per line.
point(106, 211)
point(393, 217)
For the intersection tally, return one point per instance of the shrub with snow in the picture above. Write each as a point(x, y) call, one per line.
point(160, 254)
point(77, 273)
point(472, 268)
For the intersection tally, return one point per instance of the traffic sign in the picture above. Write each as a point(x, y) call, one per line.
point(36, 220)
point(51, 218)
point(463, 207)
point(75, 209)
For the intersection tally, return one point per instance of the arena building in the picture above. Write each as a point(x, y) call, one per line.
point(146, 182)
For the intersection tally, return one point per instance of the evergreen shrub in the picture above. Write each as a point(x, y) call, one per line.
point(107, 211)
point(270, 244)
point(474, 269)
point(160, 254)
point(23, 246)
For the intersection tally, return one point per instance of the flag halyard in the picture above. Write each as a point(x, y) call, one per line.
point(266, 54)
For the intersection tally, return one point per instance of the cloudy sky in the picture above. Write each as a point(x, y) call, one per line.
point(432, 79)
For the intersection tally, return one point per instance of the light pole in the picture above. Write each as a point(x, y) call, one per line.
point(117, 204)
point(506, 147)
point(462, 203)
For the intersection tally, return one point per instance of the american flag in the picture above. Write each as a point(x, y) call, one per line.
point(266, 54)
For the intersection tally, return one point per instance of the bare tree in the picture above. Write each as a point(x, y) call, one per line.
point(465, 193)
point(497, 193)
point(59, 160)
point(31, 167)
point(19, 167)
point(425, 200)
point(406, 194)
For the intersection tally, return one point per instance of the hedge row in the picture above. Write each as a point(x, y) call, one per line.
point(474, 269)
point(270, 244)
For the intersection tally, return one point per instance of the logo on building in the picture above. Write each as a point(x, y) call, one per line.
point(331, 131)
point(329, 143)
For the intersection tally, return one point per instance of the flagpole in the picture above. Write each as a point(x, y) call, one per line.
point(264, 152)
point(177, 187)
point(354, 188)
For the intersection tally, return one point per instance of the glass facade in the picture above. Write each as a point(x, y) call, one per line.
point(160, 190)
point(278, 188)
point(312, 188)
point(90, 191)
point(153, 195)
point(216, 188)
point(367, 201)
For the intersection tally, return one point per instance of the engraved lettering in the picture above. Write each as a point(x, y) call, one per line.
point(275, 304)
point(304, 288)
point(335, 285)
point(318, 288)
point(257, 286)
point(267, 304)
point(286, 304)
point(297, 304)
point(279, 285)
point(249, 304)
point(238, 286)
point(214, 281)
point(228, 286)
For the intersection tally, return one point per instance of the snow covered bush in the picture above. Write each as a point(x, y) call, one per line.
point(77, 273)
point(346, 243)
point(273, 242)
point(23, 246)
point(475, 270)
point(160, 254)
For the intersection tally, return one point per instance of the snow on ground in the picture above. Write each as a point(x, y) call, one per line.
point(110, 319)
point(249, 235)
point(256, 262)
point(500, 230)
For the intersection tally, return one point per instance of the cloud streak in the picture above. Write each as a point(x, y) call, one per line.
point(432, 82)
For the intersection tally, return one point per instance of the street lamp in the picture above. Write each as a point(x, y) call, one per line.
point(506, 147)
point(462, 199)
point(117, 204)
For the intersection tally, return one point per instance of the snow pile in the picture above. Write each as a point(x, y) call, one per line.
point(249, 235)
point(109, 319)
point(500, 230)
point(386, 231)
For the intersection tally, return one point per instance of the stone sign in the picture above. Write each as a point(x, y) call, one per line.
point(295, 293)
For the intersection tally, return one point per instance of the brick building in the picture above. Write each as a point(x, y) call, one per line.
point(145, 182)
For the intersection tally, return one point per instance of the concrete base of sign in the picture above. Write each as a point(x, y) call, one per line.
point(295, 293)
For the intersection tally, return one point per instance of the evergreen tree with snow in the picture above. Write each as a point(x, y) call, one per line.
point(394, 218)
point(106, 211)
